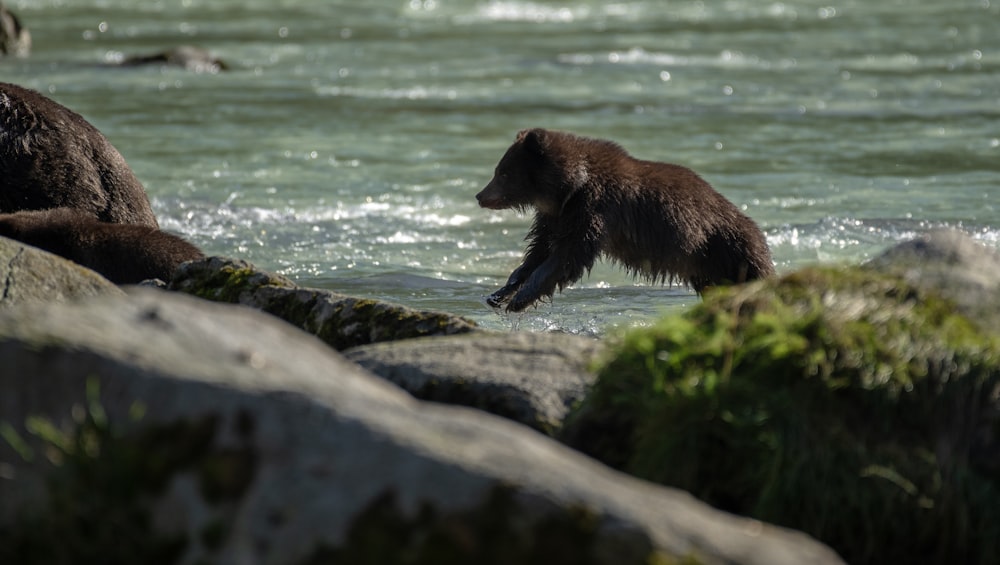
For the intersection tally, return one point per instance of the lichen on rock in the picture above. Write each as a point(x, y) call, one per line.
point(340, 321)
point(224, 280)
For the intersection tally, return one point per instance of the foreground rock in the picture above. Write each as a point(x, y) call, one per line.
point(28, 274)
point(340, 321)
point(530, 378)
point(857, 405)
point(191, 432)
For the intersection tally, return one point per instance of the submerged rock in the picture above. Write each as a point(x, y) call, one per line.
point(15, 39)
point(530, 378)
point(187, 57)
point(28, 274)
point(341, 321)
point(848, 403)
point(160, 428)
point(952, 264)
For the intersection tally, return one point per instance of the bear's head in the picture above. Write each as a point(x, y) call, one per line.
point(528, 175)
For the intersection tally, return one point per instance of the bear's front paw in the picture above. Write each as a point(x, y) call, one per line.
point(500, 297)
point(496, 300)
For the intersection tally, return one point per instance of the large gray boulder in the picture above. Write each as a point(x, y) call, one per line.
point(531, 378)
point(28, 274)
point(341, 321)
point(193, 432)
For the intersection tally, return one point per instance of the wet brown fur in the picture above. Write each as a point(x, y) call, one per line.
point(661, 222)
point(122, 253)
point(50, 157)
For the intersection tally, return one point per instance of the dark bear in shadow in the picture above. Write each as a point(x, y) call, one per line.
point(659, 221)
point(50, 157)
point(122, 253)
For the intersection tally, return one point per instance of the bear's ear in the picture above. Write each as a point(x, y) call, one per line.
point(533, 140)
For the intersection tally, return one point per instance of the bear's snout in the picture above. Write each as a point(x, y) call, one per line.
point(488, 198)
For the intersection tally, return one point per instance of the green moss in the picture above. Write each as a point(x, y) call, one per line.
point(224, 285)
point(348, 322)
point(844, 403)
point(222, 281)
point(387, 322)
point(496, 533)
point(296, 308)
point(358, 321)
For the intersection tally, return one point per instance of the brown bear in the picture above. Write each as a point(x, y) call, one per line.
point(659, 221)
point(50, 157)
point(122, 253)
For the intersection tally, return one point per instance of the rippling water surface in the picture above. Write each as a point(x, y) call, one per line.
point(346, 144)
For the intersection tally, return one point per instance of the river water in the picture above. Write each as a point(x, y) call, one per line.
point(346, 143)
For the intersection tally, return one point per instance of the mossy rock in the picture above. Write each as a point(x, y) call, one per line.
point(842, 402)
point(221, 279)
point(340, 321)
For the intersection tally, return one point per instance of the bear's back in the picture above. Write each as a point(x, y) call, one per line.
point(664, 222)
point(51, 157)
point(122, 253)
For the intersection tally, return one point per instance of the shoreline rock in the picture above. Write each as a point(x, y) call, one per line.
point(217, 382)
point(340, 321)
point(533, 379)
point(28, 274)
point(237, 438)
